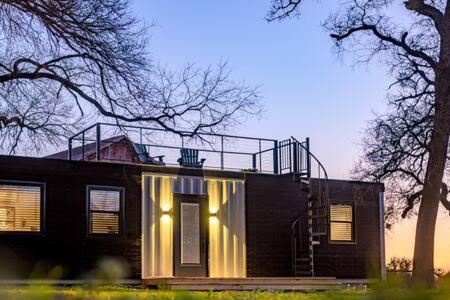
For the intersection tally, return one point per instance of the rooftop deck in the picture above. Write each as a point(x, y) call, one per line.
point(219, 151)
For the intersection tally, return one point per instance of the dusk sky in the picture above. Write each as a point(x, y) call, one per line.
point(307, 90)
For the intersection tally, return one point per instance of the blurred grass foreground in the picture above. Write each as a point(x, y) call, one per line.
point(101, 284)
point(104, 292)
point(131, 293)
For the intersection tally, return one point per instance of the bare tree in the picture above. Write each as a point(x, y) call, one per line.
point(407, 147)
point(68, 61)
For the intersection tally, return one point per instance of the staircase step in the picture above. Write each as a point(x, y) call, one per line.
point(302, 177)
point(320, 233)
point(319, 216)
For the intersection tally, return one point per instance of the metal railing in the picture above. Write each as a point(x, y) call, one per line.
point(224, 152)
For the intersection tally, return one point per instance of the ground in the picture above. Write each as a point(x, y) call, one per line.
point(123, 293)
point(128, 293)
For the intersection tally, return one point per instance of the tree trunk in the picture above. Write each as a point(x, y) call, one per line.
point(423, 266)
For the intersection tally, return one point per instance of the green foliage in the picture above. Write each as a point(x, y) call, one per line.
point(109, 271)
point(391, 290)
point(401, 267)
point(397, 264)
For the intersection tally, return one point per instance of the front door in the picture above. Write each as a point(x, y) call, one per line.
point(190, 236)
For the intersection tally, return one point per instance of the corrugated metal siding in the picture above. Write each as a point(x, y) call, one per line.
point(226, 199)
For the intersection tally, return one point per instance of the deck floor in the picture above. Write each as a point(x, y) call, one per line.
point(254, 283)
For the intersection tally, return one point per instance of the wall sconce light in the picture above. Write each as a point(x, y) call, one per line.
point(213, 214)
point(166, 215)
point(167, 212)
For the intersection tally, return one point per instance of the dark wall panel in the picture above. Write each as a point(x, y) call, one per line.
point(362, 258)
point(64, 241)
point(272, 204)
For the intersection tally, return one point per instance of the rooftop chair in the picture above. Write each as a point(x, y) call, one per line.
point(145, 157)
point(189, 158)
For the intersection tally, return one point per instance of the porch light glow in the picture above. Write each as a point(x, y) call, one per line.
point(165, 218)
point(166, 215)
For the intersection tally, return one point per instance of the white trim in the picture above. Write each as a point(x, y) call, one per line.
point(382, 238)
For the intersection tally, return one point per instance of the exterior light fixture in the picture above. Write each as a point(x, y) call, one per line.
point(167, 212)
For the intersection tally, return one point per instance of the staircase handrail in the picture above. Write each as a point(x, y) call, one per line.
point(312, 155)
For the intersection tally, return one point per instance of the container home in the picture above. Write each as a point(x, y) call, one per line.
point(205, 211)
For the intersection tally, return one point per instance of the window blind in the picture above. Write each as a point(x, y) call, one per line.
point(20, 208)
point(341, 222)
point(104, 206)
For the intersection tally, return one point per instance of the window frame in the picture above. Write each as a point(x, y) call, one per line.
point(42, 186)
point(121, 212)
point(353, 222)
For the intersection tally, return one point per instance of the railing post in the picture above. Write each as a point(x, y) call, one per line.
point(275, 157)
point(69, 150)
point(254, 161)
point(221, 155)
point(308, 159)
point(290, 155)
point(82, 147)
point(295, 153)
point(97, 142)
point(260, 156)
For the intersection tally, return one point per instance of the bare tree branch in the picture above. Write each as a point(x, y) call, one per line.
point(401, 42)
point(424, 9)
point(92, 55)
point(281, 9)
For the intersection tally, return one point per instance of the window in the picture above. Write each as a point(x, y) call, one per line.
point(341, 222)
point(105, 210)
point(20, 207)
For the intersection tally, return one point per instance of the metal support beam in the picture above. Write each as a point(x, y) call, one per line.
point(222, 162)
point(308, 159)
point(82, 147)
point(69, 152)
point(275, 157)
point(260, 156)
point(295, 154)
point(97, 142)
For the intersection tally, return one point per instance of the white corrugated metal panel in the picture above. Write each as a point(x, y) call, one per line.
point(226, 223)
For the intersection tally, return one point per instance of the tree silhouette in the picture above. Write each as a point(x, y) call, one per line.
point(407, 147)
point(66, 62)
